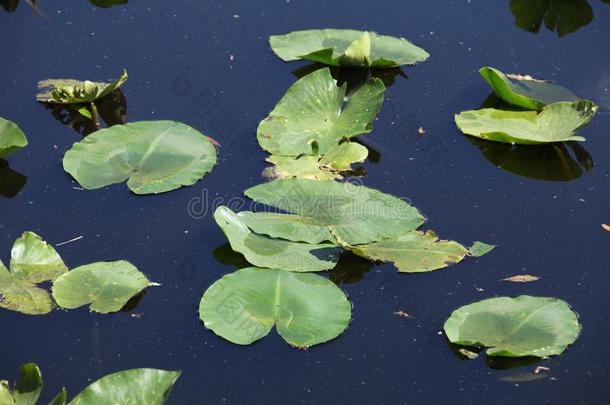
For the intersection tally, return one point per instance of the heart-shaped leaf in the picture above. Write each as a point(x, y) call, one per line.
point(11, 137)
point(525, 91)
point(107, 286)
point(515, 327)
point(153, 156)
point(243, 307)
point(70, 91)
point(558, 122)
point(352, 214)
point(311, 117)
point(26, 391)
point(351, 48)
point(274, 253)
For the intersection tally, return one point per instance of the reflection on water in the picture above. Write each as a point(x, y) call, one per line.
point(11, 5)
point(561, 16)
point(225, 255)
point(350, 269)
point(496, 363)
point(133, 302)
point(112, 109)
point(11, 182)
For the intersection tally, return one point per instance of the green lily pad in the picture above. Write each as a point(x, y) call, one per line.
point(11, 137)
point(327, 167)
point(107, 286)
point(306, 309)
point(136, 386)
point(515, 327)
point(557, 122)
point(311, 117)
point(479, 249)
point(414, 252)
point(274, 253)
point(70, 91)
point(350, 48)
point(153, 156)
point(525, 91)
point(26, 391)
point(352, 214)
point(33, 261)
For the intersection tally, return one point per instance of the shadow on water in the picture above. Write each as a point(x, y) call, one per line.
point(350, 269)
point(11, 5)
point(561, 16)
point(496, 363)
point(11, 182)
point(112, 109)
point(227, 256)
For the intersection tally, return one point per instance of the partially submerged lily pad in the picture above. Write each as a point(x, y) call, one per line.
point(263, 251)
point(338, 47)
point(414, 252)
point(70, 91)
point(557, 122)
point(153, 156)
point(515, 327)
point(311, 118)
point(352, 214)
point(306, 309)
point(106, 286)
point(26, 391)
point(33, 261)
point(525, 91)
point(11, 137)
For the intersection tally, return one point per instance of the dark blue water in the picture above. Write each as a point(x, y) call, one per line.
point(208, 64)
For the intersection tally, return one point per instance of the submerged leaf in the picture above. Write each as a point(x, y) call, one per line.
point(352, 214)
point(136, 386)
point(479, 249)
point(243, 307)
point(153, 156)
point(414, 252)
point(69, 91)
point(515, 327)
point(557, 122)
point(525, 91)
point(312, 115)
point(11, 137)
point(351, 48)
point(107, 286)
point(274, 253)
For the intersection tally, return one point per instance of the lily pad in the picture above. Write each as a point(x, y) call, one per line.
point(327, 167)
point(274, 253)
point(557, 122)
point(107, 286)
point(11, 137)
point(70, 91)
point(33, 261)
point(525, 91)
point(479, 249)
point(153, 156)
point(414, 252)
point(311, 118)
point(26, 391)
point(136, 386)
point(352, 48)
point(352, 214)
point(306, 309)
point(515, 327)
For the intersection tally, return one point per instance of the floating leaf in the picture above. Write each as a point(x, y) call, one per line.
point(515, 327)
point(107, 286)
point(274, 253)
point(27, 390)
point(69, 91)
point(351, 48)
point(352, 214)
point(479, 249)
point(11, 137)
point(312, 116)
point(522, 278)
point(136, 386)
point(557, 122)
point(606, 227)
point(525, 91)
point(327, 167)
point(33, 261)
point(414, 252)
point(107, 3)
point(153, 156)
point(307, 309)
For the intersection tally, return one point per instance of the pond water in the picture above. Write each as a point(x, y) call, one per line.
point(208, 64)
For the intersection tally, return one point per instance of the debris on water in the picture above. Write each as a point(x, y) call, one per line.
point(521, 278)
point(421, 130)
point(70, 241)
point(136, 315)
point(468, 353)
point(606, 227)
point(402, 314)
point(541, 369)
